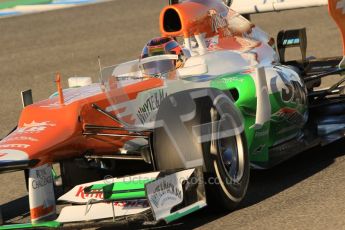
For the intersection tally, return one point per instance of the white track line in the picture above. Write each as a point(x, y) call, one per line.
point(55, 5)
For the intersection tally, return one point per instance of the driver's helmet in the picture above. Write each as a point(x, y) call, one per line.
point(161, 67)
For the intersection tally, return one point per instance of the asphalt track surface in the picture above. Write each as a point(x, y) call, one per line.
point(306, 192)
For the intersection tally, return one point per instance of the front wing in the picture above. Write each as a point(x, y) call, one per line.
point(147, 198)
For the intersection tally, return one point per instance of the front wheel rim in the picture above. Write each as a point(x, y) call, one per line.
point(231, 153)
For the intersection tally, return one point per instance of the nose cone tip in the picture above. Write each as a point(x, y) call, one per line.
point(12, 159)
point(12, 155)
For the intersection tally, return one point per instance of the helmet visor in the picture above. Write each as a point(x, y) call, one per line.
point(157, 65)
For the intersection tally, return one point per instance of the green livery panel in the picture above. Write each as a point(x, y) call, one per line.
point(288, 108)
point(124, 190)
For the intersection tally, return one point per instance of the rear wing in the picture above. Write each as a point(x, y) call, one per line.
point(260, 6)
point(336, 10)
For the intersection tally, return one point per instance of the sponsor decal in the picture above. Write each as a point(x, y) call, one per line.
point(151, 104)
point(166, 193)
point(41, 193)
point(95, 195)
point(3, 154)
point(35, 127)
point(232, 79)
point(20, 138)
point(132, 203)
point(43, 177)
point(38, 124)
point(292, 91)
point(219, 23)
point(341, 5)
point(23, 146)
point(288, 114)
point(99, 196)
point(77, 195)
point(168, 190)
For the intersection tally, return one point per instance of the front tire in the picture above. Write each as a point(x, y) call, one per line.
point(226, 161)
point(229, 165)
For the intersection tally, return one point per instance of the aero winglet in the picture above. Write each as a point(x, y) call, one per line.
point(336, 9)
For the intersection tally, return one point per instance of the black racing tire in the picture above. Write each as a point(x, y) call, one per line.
point(222, 191)
point(227, 193)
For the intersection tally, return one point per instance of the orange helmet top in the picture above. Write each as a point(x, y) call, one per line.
point(161, 46)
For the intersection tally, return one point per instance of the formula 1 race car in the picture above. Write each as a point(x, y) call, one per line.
point(187, 125)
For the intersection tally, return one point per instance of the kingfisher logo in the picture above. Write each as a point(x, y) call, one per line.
point(35, 127)
point(96, 195)
point(99, 196)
